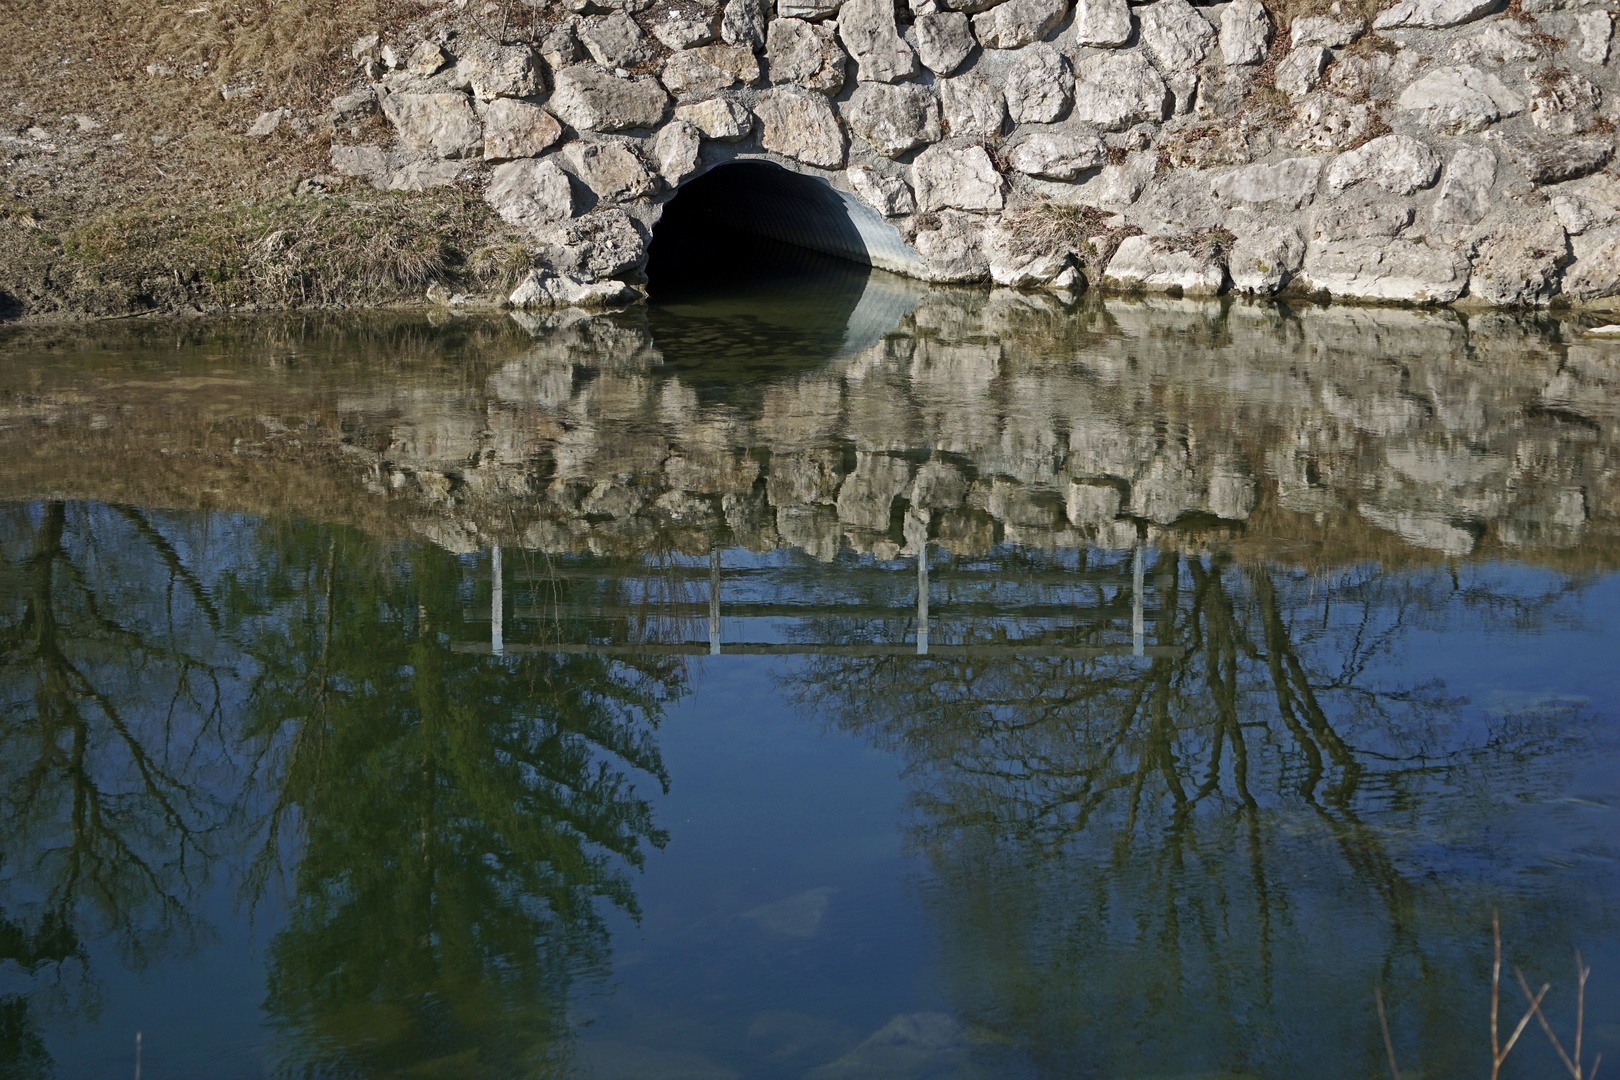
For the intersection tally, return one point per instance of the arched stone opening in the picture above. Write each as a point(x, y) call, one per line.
point(732, 223)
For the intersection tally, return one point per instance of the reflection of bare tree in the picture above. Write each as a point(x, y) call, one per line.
point(455, 818)
point(110, 700)
point(1202, 860)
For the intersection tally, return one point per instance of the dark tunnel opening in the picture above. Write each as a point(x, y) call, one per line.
point(754, 226)
point(755, 271)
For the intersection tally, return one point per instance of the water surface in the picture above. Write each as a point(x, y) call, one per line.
point(825, 677)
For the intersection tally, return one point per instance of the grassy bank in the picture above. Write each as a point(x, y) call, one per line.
point(361, 247)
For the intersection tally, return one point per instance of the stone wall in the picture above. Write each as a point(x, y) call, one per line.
point(1447, 152)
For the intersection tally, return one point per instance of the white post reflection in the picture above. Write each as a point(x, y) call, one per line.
point(922, 599)
point(497, 604)
point(714, 601)
point(1137, 634)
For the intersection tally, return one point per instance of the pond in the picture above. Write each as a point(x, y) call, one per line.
point(815, 675)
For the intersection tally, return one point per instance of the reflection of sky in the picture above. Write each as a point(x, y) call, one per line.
point(782, 922)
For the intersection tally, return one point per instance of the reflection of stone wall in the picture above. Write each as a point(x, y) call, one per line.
point(1003, 417)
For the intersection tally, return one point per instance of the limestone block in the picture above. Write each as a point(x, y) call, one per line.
point(1327, 122)
point(868, 31)
point(1015, 504)
point(1245, 32)
point(530, 192)
point(544, 289)
point(805, 476)
point(1431, 14)
point(1595, 273)
point(1564, 102)
point(1289, 184)
point(353, 108)
point(744, 23)
point(266, 123)
point(422, 176)
point(612, 499)
point(952, 251)
point(560, 47)
point(1521, 264)
point(1231, 494)
point(1458, 100)
point(805, 53)
point(888, 195)
point(676, 150)
point(1091, 503)
point(1103, 24)
point(1465, 193)
point(491, 71)
point(1498, 43)
point(966, 532)
point(962, 178)
point(615, 40)
point(1435, 532)
point(1115, 91)
point(708, 68)
point(938, 486)
point(1016, 23)
point(592, 98)
point(867, 495)
point(1396, 163)
point(1384, 269)
point(1116, 187)
point(441, 124)
point(894, 119)
point(751, 520)
point(1301, 70)
point(1596, 28)
point(426, 60)
point(598, 245)
point(1154, 264)
point(717, 118)
point(973, 106)
point(1179, 203)
point(516, 129)
point(685, 33)
point(1057, 155)
point(1589, 203)
point(812, 529)
point(1548, 160)
point(1360, 221)
point(1360, 77)
point(802, 125)
point(1325, 30)
point(367, 161)
point(1166, 490)
point(1175, 35)
point(1264, 258)
point(944, 41)
point(807, 9)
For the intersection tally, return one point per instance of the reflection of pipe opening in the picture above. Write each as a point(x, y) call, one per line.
point(723, 224)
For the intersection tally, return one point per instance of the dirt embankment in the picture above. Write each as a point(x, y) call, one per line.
point(130, 180)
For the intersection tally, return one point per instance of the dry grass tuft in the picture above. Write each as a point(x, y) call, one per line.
point(499, 266)
point(1046, 227)
point(1284, 12)
point(377, 247)
point(1081, 232)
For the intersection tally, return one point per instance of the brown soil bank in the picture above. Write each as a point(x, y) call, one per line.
point(170, 157)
